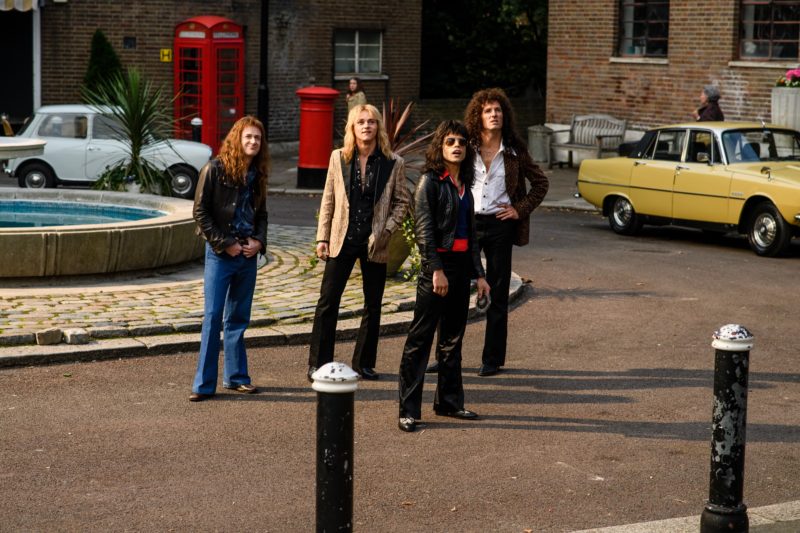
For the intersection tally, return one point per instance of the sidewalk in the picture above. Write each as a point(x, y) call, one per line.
point(163, 314)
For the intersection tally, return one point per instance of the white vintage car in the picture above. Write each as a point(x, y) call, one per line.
point(81, 143)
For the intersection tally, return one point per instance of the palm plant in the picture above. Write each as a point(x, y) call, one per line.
point(394, 119)
point(139, 114)
point(404, 243)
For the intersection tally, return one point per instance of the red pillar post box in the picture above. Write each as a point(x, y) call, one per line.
point(316, 135)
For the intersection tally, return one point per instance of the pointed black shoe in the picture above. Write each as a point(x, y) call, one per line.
point(369, 374)
point(462, 414)
point(407, 424)
point(433, 368)
point(488, 370)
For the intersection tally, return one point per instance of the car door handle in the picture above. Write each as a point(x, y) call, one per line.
point(681, 167)
point(93, 149)
point(637, 163)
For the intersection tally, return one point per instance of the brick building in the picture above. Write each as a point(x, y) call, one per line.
point(309, 41)
point(648, 60)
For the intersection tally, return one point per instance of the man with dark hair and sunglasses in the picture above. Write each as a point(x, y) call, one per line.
point(445, 229)
point(503, 205)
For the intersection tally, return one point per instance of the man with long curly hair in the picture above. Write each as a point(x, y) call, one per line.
point(230, 208)
point(363, 204)
point(503, 206)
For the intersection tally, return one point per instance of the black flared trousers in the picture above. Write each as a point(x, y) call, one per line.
point(496, 240)
point(334, 281)
point(449, 314)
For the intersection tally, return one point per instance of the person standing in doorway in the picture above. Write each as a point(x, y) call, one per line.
point(363, 204)
point(445, 229)
point(503, 206)
point(230, 208)
point(355, 94)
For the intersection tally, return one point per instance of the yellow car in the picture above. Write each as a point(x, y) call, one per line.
point(716, 176)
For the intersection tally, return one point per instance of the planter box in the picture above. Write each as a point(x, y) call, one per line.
point(786, 107)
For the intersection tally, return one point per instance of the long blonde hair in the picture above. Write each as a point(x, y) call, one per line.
point(349, 147)
point(231, 155)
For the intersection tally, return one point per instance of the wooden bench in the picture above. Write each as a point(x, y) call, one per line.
point(598, 133)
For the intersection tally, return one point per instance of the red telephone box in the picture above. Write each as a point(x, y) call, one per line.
point(209, 77)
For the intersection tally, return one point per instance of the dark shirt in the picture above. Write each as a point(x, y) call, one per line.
point(362, 199)
point(244, 217)
point(461, 232)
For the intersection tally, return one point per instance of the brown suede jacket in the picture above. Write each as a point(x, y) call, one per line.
point(390, 208)
point(520, 167)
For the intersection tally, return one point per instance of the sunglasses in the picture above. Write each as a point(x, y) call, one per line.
point(450, 141)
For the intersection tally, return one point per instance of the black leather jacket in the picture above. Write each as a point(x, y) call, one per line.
point(435, 219)
point(215, 206)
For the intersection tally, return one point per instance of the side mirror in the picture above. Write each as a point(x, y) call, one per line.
point(702, 157)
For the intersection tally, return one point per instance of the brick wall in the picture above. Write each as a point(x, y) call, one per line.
point(301, 49)
point(703, 41)
point(300, 46)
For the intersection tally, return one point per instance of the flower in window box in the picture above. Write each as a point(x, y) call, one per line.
point(790, 79)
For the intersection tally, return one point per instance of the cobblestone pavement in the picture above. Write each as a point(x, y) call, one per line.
point(83, 322)
point(286, 291)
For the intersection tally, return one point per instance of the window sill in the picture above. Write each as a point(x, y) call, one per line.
point(362, 77)
point(639, 60)
point(763, 64)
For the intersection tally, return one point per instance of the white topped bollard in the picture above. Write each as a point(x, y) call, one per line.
point(725, 510)
point(335, 384)
point(197, 129)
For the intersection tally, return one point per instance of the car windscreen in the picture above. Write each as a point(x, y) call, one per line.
point(643, 145)
point(25, 126)
point(753, 145)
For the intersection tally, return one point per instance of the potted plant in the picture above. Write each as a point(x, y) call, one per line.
point(138, 111)
point(786, 100)
point(405, 144)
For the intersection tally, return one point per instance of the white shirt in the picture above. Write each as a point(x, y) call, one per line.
point(489, 187)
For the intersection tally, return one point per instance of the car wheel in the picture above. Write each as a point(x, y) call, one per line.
point(768, 234)
point(183, 181)
point(36, 176)
point(623, 218)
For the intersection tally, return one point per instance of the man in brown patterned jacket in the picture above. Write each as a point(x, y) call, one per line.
point(503, 205)
point(364, 202)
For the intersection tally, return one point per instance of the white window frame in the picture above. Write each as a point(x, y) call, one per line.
point(356, 59)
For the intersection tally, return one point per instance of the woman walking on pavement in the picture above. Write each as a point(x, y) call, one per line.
point(230, 208)
point(364, 202)
point(445, 229)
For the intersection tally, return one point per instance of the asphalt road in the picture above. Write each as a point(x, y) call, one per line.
point(601, 418)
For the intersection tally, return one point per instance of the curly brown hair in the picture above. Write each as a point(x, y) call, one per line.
point(231, 155)
point(434, 156)
point(474, 120)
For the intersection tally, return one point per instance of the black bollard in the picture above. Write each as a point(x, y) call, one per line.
point(335, 384)
point(725, 510)
point(197, 129)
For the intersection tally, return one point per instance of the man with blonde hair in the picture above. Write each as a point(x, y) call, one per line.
point(363, 203)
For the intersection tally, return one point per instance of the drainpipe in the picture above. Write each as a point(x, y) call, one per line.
point(263, 82)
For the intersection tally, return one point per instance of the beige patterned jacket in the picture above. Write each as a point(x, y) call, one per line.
point(390, 208)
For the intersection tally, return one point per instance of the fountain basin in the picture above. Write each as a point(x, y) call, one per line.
point(148, 243)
